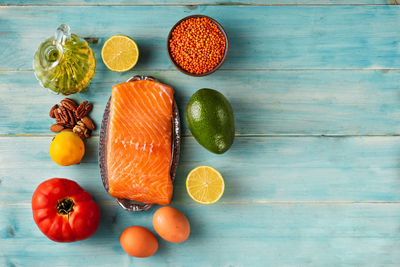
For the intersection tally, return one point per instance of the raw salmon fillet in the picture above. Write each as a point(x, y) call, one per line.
point(139, 142)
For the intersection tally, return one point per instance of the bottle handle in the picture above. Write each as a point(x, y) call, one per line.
point(63, 32)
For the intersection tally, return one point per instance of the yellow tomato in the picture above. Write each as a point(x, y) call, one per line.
point(67, 148)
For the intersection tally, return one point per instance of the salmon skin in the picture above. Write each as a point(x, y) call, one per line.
point(138, 149)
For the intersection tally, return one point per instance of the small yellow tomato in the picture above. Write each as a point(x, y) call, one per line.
point(67, 148)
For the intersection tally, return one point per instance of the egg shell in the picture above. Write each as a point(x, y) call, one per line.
point(171, 224)
point(138, 241)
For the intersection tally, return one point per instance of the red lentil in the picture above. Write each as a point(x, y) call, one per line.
point(197, 45)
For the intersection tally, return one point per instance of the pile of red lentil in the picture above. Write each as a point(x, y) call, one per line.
point(197, 45)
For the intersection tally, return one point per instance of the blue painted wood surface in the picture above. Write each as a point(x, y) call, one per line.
point(313, 178)
point(195, 2)
point(261, 37)
point(288, 102)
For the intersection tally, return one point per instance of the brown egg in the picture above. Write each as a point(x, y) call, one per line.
point(139, 242)
point(171, 224)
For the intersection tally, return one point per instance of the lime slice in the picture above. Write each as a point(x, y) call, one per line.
point(205, 185)
point(120, 53)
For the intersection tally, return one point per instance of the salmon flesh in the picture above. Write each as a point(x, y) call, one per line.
point(139, 142)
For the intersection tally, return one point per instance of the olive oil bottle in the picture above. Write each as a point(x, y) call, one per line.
point(65, 63)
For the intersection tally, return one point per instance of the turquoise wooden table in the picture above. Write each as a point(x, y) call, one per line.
point(313, 178)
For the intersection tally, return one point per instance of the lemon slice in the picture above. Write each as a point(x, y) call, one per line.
point(205, 185)
point(120, 53)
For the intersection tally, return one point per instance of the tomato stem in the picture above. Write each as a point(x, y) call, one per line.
point(65, 206)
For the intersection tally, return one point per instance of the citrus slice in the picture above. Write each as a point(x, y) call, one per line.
point(205, 185)
point(120, 53)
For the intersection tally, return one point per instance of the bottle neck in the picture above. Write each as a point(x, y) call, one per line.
point(63, 33)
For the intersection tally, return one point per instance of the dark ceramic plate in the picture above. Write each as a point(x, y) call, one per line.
point(128, 204)
point(216, 67)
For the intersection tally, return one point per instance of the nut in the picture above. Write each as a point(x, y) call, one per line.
point(88, 123)
point(80, 109)
point(51, 113)
point(63, 115)
point(69, 104)
point(81, 130)
point(83, 109)
point(71, 117)
point(67, 125)
point(56, 128)
point(89, 108)
point(57, 115)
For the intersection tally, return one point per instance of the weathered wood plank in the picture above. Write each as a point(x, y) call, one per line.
point(265, 102)
point(256, 169)
point(271, 211)
point(231, 235)
point(195, 2)
point(262, 37)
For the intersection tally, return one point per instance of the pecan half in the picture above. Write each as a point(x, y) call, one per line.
point(57, 115)
point(63, 114)
point(51, 113)
point(80, 109)
point(88, 123)
point(71, 117)
point(89, 108)
point(69, 104)
point(83, 109)
point(56, 128)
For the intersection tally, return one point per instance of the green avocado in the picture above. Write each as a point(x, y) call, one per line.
point(210, 118)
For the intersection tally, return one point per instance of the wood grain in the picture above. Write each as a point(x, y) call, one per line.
point(256, 169)
point(285, 37)
point(265, 102)
point(313, 176)
point(222, 235)
point(194, 2)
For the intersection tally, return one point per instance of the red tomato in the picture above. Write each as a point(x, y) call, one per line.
point(63, 211)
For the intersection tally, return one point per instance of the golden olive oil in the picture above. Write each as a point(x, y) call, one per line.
point(64, 64)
